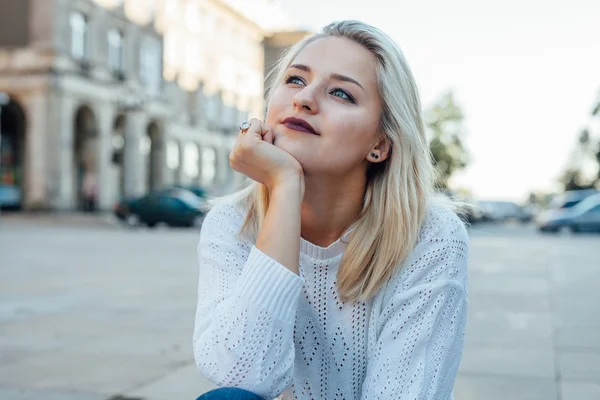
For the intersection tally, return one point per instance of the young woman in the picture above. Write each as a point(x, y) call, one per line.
point(335, 274)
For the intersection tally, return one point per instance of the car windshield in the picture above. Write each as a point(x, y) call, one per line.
point(571, 198)
point(587, 204)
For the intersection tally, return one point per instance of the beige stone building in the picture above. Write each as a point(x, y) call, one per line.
point(119, 97)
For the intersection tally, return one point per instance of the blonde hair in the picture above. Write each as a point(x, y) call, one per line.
point(398, 190)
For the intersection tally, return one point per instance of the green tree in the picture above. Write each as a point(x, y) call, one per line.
point(444, 122)
point(572, 180)
point(596, 147)
point(586, 148)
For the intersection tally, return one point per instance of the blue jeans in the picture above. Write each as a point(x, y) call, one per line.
point(229, 394)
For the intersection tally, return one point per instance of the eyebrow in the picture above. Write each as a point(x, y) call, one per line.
point(335, 76)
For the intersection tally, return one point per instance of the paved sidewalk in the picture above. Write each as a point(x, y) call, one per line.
point(65, 219)
point(92, 313)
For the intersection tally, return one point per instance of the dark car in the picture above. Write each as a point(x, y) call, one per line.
point(173, 207)
point(583, 217)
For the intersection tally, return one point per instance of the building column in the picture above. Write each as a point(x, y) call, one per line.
point(133, 160)
point(168, 177)
point(105, 120)
point(144, 149)
point(181, 178)
point(65, 137)
point(54, 145)
point(36, 108)
point(161, 161)
point(199, 180)
point(157, 159)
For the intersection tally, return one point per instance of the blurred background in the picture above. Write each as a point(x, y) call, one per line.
point(117, 116)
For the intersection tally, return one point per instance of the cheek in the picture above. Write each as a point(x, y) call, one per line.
point(277, 105)
point(355, 132)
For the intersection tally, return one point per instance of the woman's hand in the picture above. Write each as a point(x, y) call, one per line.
point(255, 156)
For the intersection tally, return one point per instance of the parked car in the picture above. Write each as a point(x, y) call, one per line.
point(508, 210)
point(173, 207)
point(571, 198)
point(503, 211)
point(582, 217)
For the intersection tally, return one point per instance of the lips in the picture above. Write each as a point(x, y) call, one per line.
point(298, 124)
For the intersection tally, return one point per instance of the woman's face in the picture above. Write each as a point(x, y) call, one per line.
point(326, 111)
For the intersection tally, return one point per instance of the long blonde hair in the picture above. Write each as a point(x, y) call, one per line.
point(398, 190)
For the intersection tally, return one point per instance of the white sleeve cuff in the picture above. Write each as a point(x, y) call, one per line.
point(270, 285)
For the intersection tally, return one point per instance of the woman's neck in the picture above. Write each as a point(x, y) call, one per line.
point(329, 207)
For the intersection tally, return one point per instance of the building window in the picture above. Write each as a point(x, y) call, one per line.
point(115, 50)
point(150, 65)
point(79, 36)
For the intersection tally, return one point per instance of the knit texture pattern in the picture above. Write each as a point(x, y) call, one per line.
point(263, 328)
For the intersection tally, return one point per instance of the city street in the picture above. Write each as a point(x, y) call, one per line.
point(90, 311)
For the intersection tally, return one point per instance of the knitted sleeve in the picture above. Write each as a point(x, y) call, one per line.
point(243, 335)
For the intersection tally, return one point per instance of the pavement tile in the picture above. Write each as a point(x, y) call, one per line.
point(508, 284)
point(512, 361)
point(24, 335)
point(490, 387)
point(577, 390)
point(581, 365)
point(502, 302)
point(576, 317)
point(578, 338)
point(510, 327)
point(13, 354)
point(586, 303)
point(165, 346)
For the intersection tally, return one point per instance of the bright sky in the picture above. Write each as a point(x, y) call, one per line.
point(526, 72)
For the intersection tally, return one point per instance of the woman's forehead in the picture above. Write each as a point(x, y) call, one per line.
point(338, 55)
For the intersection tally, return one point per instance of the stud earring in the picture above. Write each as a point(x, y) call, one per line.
point(375, 156)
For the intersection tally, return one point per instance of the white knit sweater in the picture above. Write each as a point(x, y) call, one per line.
point(263, 328)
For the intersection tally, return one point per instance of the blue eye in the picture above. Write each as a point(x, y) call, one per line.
point(342, 94)
point(296, 80)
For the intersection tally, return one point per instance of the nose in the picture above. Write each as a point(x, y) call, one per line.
point(305, 100)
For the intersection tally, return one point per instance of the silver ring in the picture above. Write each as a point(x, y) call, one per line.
point(244, 126)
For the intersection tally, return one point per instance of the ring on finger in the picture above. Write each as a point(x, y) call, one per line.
point(244, 126)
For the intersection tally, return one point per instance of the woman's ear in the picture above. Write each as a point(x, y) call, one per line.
point(380, 152)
